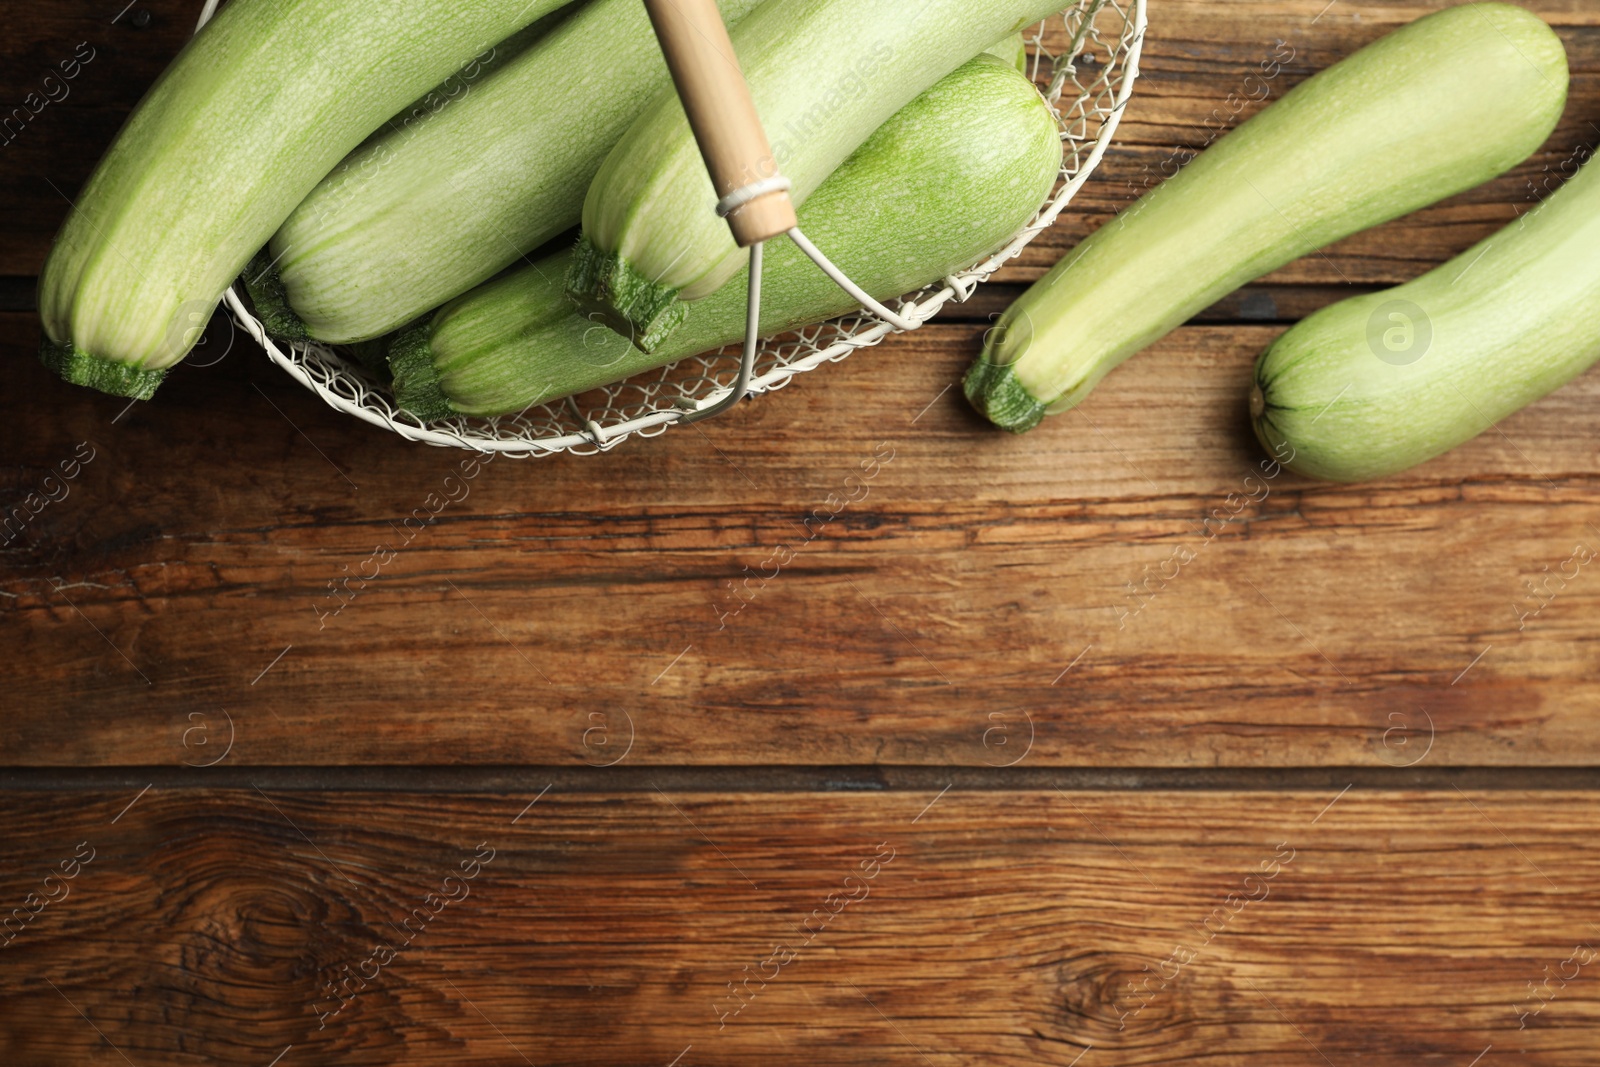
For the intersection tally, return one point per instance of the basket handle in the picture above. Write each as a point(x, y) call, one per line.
point(722, 115)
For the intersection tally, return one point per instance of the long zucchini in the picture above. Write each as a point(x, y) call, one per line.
point(431, 208)
point(949, 177)
point(823, 74)
point(1433, 108)
point(1380, 382)
point(254, 111)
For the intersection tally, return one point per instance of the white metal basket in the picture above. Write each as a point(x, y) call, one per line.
point(1088, 87)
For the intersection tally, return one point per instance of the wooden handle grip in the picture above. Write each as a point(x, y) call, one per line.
point(721, 113)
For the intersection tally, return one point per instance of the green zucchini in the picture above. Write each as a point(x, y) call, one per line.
point(823, 74)
point(1012, 49)
point(261, 104)
point(438, 204)
point(948, 178)
point(1433, 108)
point(1383, 381)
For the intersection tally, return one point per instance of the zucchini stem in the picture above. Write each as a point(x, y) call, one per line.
point(416, 378)
point(271, 300)
point(608, 289)
point(1000, 397)
point(112, 376)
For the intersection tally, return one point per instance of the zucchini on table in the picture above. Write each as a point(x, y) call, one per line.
point(823, 74)
point(432, 207)
point(1433, 108)
point(262, 103)
point(1382, 381)
point(948, 178)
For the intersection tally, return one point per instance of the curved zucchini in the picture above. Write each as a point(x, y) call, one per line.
point(431, 208)
point(1433, 108)
point(261, 104)
point(1380, 382)
point(823, 74)
point(944, 181)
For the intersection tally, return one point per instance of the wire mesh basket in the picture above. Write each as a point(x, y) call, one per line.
point(1087, 84)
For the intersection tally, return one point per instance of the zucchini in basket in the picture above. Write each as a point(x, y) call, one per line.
point(1433, 108)
point(262, 103)
point(434, 206)
point(1013, 49)
point(952, 175)
point(1382, 381)
point(823, 74)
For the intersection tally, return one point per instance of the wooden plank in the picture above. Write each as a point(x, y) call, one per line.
point(196, 549)
point(995, 928)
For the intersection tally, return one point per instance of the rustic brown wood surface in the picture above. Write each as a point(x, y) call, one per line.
point(1119, 822)
point(193, 554)
point(906, 928)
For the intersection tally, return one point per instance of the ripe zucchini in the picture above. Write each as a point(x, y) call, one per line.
point(1012, 49)
point(823, 74)
point(1433, 108)
point(1380, 382)
point(440, 203)
point(254, 111)
point(949, 177)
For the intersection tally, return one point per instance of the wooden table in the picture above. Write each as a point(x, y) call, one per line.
point(962, 784)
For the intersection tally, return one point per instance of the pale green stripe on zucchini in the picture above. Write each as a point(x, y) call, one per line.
point(1433, 108)
point(823, 74)
point(1383, 381)
point(444, 200)
point(947, 179)
point(253, 112)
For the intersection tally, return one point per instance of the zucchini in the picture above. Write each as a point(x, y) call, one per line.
point(948, 178)
point(1383, 381)
point(1433, 108)
point(258, 106)
point(443, 201)
point(823, 74)
point(1012, 49)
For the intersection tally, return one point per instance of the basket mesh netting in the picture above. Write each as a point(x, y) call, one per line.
point(1085, 61)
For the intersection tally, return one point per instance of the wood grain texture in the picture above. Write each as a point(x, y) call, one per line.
point(946, 602)
point(1018, 928)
